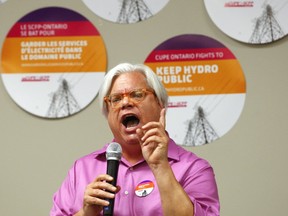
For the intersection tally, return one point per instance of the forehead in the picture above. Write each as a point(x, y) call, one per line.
point(128, 81)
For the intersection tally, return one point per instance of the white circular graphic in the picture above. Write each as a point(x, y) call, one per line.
point(144, 188)
point(255, 22)
point(53, 62)
point(125, 11)
point(205, 84)
point(2, 1)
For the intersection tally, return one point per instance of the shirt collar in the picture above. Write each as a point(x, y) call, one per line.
point(173, 150)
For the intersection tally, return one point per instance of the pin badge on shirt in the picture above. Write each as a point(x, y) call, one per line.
point(144, 188)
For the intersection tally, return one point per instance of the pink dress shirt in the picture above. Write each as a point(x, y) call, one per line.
point(139, 195)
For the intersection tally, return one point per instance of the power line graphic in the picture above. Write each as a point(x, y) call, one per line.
point(133, 11)
point(199, 130)
point(267, 28)
point(63, 102)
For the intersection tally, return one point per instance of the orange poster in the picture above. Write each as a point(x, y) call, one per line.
point(53, 62)
point(206, 86)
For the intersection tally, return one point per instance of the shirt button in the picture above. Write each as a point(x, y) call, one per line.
point(131, 168)
point(126, 192)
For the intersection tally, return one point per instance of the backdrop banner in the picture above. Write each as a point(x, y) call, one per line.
point(206, 86)
point(53, 62)
point(126, 11)
point(255, 22)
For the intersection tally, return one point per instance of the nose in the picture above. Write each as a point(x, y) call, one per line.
point(126, 101)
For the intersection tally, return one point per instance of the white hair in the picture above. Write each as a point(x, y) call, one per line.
point(151, 78)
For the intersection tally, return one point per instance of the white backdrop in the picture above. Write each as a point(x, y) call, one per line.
point(250, 161)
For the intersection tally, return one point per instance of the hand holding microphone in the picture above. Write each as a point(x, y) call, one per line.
point(101, 191)
point(113, 156)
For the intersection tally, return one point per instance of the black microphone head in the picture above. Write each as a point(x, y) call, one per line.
point(114, 151)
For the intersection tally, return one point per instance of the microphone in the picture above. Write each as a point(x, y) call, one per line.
point(113, 156)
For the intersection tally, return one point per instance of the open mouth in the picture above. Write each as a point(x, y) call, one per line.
point(130, 121)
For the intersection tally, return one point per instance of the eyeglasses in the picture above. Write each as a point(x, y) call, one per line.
point(136, 96)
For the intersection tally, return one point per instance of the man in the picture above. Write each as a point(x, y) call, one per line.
point(176, 181)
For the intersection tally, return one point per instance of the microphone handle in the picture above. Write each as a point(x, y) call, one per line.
point(112, 170)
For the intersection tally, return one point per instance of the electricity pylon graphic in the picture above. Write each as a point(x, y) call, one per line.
point(199, 130)
point(63, 102)
point(133, 11)
point(267, 28)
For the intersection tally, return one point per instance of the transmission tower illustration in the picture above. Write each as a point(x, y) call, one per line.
point(199, 131)
point(63, 102)
point(267, 28)
point(133, 11)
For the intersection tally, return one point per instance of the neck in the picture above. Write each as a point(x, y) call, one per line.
point(132, 153)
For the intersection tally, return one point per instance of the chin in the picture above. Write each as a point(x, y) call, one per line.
point(132, 142)
point(127, 139)
point(131, 139)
